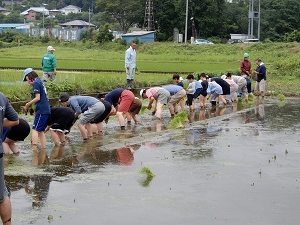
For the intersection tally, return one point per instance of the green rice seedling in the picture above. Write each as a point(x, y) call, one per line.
point(175, 123)
point(246, 100)
point(281, 97)
point(240, 100)
point(143, 109)
point(251, 97)
point(178, 120)
point(183, 116)
point(147, 171)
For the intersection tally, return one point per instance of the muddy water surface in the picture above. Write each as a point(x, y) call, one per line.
point(233, 165)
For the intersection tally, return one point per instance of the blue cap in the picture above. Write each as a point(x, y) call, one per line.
point(26, 72)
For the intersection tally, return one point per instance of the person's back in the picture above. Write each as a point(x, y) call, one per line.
point(173, 89)
point(81, 103)
point(113, 96)
point(48, 62)
point(214, 87)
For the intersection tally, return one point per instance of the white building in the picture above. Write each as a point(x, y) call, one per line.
point(70, 9)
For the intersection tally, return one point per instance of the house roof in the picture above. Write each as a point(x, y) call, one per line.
point(138, 33)
point(78, 23)
point(11, 25)
point(70, 7)
point(36, 9)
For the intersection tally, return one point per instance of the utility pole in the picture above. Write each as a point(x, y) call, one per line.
point(254, 13)
point(89, 16)
point(186, 20)
point(149, 18)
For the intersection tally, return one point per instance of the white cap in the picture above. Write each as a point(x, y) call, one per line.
point(141, 92)
point(50, 48)
point(223, 76)
point(180, 78)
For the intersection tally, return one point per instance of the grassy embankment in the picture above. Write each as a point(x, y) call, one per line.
point(281, 60)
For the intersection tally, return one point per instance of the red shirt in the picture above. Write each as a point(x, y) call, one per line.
point(245, 67)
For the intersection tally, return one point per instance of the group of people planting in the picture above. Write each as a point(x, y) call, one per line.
point(91, 112)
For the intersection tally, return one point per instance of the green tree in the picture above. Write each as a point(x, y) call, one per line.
point(279, 17)
point(104, 34)
point(125, 12)
point(293, 36)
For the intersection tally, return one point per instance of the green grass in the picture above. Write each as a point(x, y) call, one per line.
point(119, 65)
point(281, 59)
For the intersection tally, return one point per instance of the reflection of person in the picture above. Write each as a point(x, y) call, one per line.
point(161, 97)
point(130, 64)
point(13, 134)
point(122, 100)
point(42, 108)
point(245, 67)
point(125, 156)
point(177, 93)
point(60, 122)
point(40, 190)
point(261, 78)
point(57, 152)
point(88, 106)
point(49, 65)
point(8, 118)
point(39, 157)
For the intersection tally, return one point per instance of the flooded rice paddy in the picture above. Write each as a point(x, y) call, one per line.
point(229, 165)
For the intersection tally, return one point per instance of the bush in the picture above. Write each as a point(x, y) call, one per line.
point(104, 34)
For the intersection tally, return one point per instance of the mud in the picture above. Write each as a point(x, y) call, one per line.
point(228, 165)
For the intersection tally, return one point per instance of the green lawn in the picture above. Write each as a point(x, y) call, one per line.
point(281, 59)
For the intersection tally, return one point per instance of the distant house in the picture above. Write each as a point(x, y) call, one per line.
point(78, 24)
point(14, 26)
point(4, 11)
point(54, 12)
point(30, 14)
point(142, 36)
point(70, 9)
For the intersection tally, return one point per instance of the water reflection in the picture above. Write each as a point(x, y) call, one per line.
point(92, 154)
point(38, 188)
point(198, 142)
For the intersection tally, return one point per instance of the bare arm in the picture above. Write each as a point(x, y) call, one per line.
point(36, 99)
point(8, 123)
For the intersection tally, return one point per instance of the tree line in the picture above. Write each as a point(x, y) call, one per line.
point(206, 18)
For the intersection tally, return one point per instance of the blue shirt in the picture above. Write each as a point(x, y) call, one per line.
point(173, 89)
point(197, 84)
point(43, 105)
point(261, 72)
point(113, 96)
point(80, 104)
point(213, 87)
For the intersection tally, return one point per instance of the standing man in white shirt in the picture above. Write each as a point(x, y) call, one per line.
point(130, 64)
